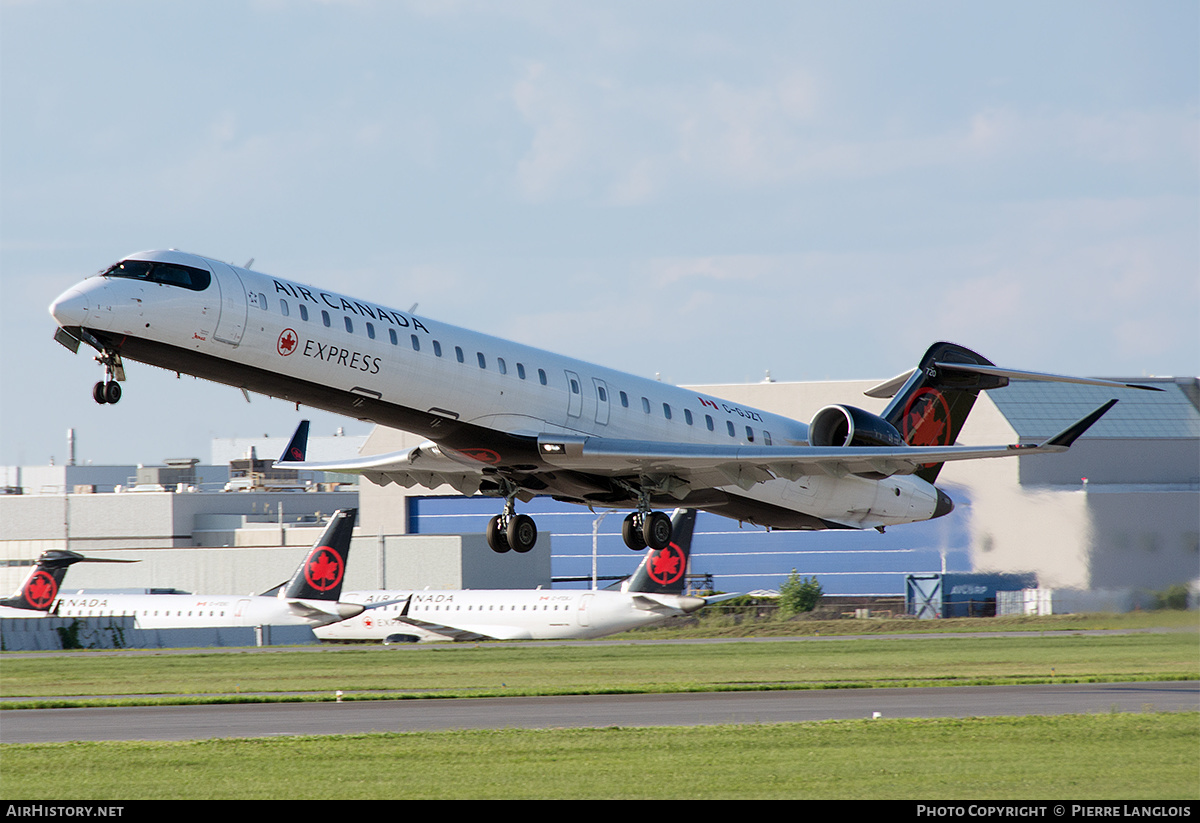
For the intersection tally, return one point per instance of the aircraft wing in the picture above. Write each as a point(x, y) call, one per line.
point(320, 612)
point(423, 465)
point(695, 464)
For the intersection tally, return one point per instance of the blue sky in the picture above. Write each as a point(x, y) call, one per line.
point(700, 190)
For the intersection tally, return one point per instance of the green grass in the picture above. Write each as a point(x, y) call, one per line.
point(1094, 757)
point(500, 669)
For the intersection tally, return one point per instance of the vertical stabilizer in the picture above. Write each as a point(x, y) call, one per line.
point(38, 592)
point(321, 574)
point(934, 402)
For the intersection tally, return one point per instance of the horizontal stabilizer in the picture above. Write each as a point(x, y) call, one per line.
point(1014, 374)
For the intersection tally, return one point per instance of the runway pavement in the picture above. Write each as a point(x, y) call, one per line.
point(283, 719)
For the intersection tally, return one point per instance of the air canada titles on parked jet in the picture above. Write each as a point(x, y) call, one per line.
point(515, 422)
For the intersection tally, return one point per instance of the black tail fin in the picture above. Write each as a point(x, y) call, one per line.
point(933, 404)
point(321, 574)
point(297, 447)
point(40, 588)
point(664, 571)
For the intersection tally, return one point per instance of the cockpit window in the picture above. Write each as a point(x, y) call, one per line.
point(170, 274)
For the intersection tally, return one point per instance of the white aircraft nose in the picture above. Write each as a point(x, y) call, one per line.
point(70, 308)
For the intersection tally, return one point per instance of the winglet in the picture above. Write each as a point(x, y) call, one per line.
point(297, 447)
point(1069, 435)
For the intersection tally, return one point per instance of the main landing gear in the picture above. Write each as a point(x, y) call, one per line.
point(642, 529)
point(511, 530)
point(108, 390)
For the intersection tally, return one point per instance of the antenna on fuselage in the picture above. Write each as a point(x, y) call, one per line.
point(249, 263)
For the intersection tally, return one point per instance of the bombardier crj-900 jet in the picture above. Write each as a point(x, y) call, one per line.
point(514, 422)
point(310, 598)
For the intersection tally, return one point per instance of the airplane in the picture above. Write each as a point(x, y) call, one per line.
point(37, 594)
point(309, 598)
point(651, 595)
point(515, 422)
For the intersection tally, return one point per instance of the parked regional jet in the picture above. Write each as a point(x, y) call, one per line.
point(40, 589)
point(650, 596)
point(514, 422)
point(309, 598)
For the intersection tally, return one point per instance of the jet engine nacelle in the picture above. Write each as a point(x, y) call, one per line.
point(850, 426)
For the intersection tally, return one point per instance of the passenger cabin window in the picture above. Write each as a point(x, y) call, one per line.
point(325, 318)
point(349, 324)
point(749, 434)
point(500, 364)
point(437, 349)
point(482, 360)
point(416, 342)
point(283, 308)
point(458, 352)
point(645, 405)
point(304, 312)
point(709, 422)
point(624, 399)
point(542, 376)
point(729, 426)
point(667, 411)
point(766, 438)
point(168, 274)
point(392, 336)
point(262, 301)
point(687, 416)
point(371, 330)
point(521, 370)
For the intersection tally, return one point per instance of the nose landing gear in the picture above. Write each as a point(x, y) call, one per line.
point(108, 390)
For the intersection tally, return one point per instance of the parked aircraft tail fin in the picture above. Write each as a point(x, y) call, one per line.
point(321, 574)
point(40, 588)
point(664, 571)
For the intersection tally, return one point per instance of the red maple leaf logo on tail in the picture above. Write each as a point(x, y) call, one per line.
point(666, 566)
point(41, 590)
point(324, 571)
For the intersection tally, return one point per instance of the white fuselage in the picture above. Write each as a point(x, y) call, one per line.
point(504, 614)
point(455, 386)
point(179, 611)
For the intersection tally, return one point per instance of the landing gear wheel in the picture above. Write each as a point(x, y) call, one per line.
point(496, 538)
point(112, 391)
point(656, 530)
point(631, 532)
point(98, 393)
point(521, 533)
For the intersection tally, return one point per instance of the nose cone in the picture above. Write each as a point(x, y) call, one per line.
point(70, 308)
point(944, 504)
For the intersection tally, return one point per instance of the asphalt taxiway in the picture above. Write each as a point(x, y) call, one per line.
point(585, 711)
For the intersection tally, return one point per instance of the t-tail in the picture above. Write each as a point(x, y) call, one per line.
point(664, 571)
point(931, 402)
point(934, 402)
point(40, 589)
point(321, 574)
